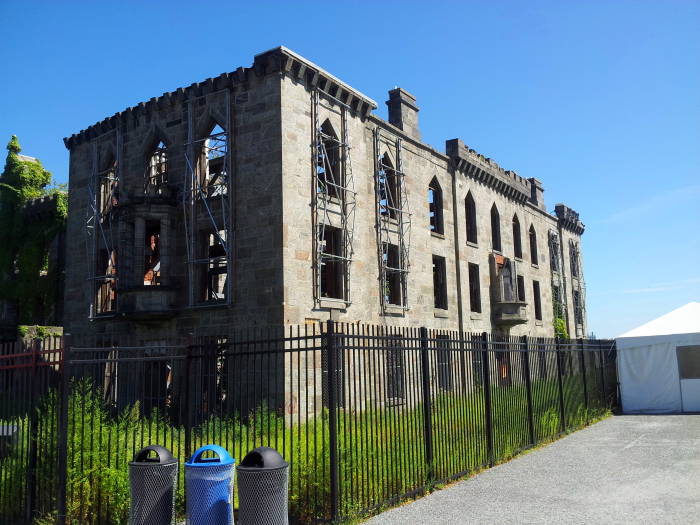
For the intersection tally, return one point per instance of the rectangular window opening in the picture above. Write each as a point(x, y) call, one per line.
point(106, 293)
point(393, 289)
point(536, 298)
point(151, 268)
point(333, 264)
point(521, 288)
point(474, 288)
point(439, 282)
point(395, 370)
point(444, 362)
point(216, 272)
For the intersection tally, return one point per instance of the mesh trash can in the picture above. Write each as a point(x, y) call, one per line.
point(209, 487)
point(262, 488)
point(152, 482)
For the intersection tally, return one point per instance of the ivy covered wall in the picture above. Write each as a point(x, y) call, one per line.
point(32, 226)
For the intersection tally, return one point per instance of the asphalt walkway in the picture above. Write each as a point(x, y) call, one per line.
point(625, 469)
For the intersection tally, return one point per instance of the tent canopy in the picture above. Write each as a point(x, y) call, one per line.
point(648, 363)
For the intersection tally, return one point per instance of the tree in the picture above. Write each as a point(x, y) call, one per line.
point(25, 238)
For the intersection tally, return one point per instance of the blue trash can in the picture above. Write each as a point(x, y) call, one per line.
point(209, 487)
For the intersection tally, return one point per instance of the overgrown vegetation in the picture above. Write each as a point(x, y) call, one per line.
point(381, 451)
point(25, 276)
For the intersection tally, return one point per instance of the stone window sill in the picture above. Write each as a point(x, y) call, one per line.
point(475, 316)
point(472, 244)
point(437, 235)
point(441, 313)
point(333, 304)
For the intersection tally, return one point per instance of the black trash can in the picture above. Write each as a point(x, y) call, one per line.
point(262, 488)
point(152, 482)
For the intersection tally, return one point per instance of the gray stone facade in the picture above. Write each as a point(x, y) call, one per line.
point(258, 233)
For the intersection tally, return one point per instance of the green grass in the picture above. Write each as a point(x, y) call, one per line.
point(381, 450)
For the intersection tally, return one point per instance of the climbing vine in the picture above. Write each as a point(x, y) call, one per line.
point(27, 228)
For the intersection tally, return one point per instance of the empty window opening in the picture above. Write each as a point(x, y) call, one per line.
point(504, 368)
point(151, 268)
point(573, 255)
point(328, 164)
point(393, 283)
point(474, 288)
point(470, 214)
point(395, 370)
point(495, 229)
point(332, 263)
point(517, 244)
point(439, 282)
point(216, 275)
point(557, 302)
point(106, 294)
point(389, 204)
point(578, 307)
point(214, 181)
point(435, 207)
point(521, 288)
point(536, 299)
point(157, 171)
point(554, 251)
point(108, 196)
point(533, 245)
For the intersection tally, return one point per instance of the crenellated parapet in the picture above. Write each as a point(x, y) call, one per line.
point(275, 61)
point(485, 170)
point(569, 219)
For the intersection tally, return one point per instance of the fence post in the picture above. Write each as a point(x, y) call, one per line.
point(582, 358)
point(332, 353)
point(487, 397)
point(427, 408)
point(62, 428)
point(562, 409)
point(528, 389)
point(601, 360)
point(187, 398)
point(32, 433)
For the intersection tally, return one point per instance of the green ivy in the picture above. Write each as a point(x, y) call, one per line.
point(25, 278)
point(560, 328)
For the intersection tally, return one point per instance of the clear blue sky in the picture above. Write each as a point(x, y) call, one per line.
point(598, 99)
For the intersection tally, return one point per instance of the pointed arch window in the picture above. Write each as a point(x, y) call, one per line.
point(517, 241)
point(533, 245)
point(495, 228)
point(435, 207)
point(108, 192)
point(389, 204)
point(214, 175)
point(157, 170)
point(470, 214)
point(328, 164)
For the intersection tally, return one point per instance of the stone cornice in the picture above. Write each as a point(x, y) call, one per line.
point(278, 60)
point(569, 219)
point(474, 165)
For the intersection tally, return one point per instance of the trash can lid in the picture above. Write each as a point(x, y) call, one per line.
point(223, 457)
point(263, 458)
point(163, 456)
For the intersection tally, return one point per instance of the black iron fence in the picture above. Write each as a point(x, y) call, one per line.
point(366, 415)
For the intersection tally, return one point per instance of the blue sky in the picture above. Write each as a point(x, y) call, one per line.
point(598, 99)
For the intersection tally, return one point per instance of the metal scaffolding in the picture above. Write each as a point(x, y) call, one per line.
point(100, 224)
point(393, 221)
point(333, 203)
point(206, 203)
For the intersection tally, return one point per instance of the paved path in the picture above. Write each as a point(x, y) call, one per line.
point(626, 469)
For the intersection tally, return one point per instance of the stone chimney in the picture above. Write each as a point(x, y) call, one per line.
point(403, 112)
point(536, 193)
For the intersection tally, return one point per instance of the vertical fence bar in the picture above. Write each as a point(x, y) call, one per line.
point(427, 408)
point(34, 389)
point(62, 467)
point(603, 400)
point(528, 390)
point(331, 352)
point(562, 411)
point(582, 358)
point(487, 398)
point(187, 401)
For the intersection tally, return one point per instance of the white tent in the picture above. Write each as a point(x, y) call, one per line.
point(658, 363)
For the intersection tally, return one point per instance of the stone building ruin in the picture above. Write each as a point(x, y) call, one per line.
point(273, 195)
